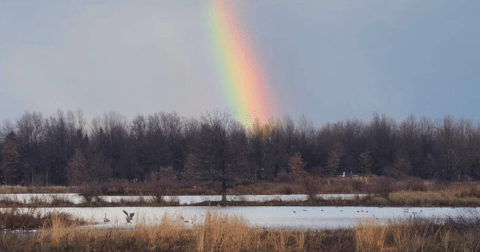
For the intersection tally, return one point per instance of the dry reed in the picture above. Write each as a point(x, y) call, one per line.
point(418, 235)
point(221, 233)
point(217, 233)
point(369, 236)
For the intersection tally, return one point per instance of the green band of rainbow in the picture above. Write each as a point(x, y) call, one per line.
point(246, 87)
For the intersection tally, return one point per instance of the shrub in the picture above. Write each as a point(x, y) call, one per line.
point(161, 186)
point(90, 192)
point(358, 185)
point(296, 165)
point(14, 219)
point(382, 186)
point(312, 187)
point(287, 190)
point(284, 177)
point(411, 184)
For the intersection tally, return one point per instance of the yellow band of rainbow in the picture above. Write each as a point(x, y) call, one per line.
point(246, 87)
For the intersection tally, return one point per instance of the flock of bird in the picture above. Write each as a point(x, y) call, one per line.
point(128, 218)
point(406, 211)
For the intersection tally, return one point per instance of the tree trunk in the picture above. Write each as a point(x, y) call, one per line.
point(224, 193)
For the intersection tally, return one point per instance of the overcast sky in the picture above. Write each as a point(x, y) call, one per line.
point(330, 60)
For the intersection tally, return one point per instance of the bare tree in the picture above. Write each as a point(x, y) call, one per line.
point(219, 155)
point(297, 165)
point(400, 168)
point(447, 136)
point(464, 143)
point(306, 134)
point(77, 169)
point(191, 165)
point(172, 127)
point(139, 129)
point(88, 166)
point(289, 134)
point(330, 141)
point(333, 163)
point(5, 129)
point(223, 151)
point(473, 149)
point(381, 137)
point(59, 147)
point(30, 128)
point(275, 155)
point(408, 138)
point(11, 160)
point(353, 144)
point(425, 148)
point(110, 135)
point(256, 147)
point(365, 161)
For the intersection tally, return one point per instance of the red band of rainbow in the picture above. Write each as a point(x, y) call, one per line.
point(246, 87)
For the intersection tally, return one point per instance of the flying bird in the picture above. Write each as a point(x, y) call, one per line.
point(105, 219)
point(129, 217)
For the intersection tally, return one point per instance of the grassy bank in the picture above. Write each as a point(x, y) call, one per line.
point(221, 233)
point(380, 191)
point(14, 220)
point(401, 199)
point(283, 185)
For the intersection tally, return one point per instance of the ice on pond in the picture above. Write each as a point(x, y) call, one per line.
point(291, 217)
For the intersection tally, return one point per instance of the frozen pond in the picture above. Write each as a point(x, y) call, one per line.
point(305, 218)
point(182, 199)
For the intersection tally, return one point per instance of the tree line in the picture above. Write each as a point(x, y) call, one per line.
point(66, 149)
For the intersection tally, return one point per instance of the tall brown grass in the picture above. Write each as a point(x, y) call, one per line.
point(226, 233)
point(222, 233)
point(418, 235)
point(369, 236)
point(217, 233)
point(169, 232)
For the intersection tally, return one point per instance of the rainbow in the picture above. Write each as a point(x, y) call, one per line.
point(245, 85)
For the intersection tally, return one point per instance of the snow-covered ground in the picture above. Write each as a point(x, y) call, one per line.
point(182, 200)
point(306, 218)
